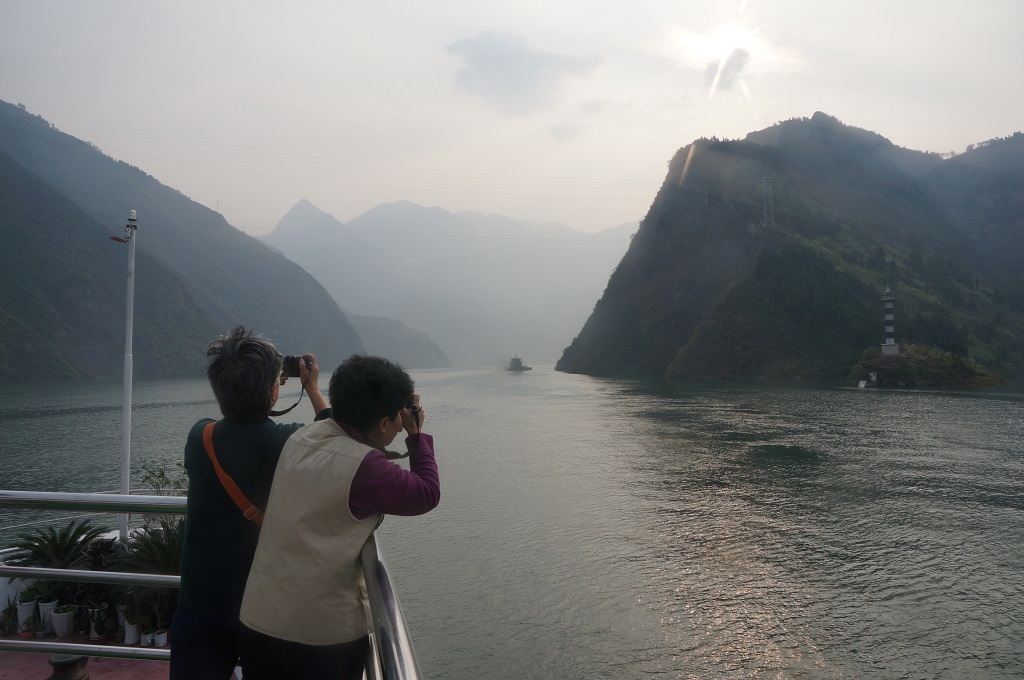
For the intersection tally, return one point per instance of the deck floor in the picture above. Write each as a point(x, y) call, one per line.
point(26, 666)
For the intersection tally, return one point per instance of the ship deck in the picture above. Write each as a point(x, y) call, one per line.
point(28, 666)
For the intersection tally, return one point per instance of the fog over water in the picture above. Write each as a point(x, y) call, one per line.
point(596, 528)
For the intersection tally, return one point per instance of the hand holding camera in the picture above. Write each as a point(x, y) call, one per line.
point(290, 366)
point(413, 415)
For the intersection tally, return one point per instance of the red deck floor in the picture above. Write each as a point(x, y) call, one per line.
point(24, 666)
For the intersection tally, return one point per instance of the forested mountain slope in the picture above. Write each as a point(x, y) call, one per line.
point(62, 293)
point(727, 279)
point(228, 277)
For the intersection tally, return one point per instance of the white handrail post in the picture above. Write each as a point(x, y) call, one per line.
point(126, 403)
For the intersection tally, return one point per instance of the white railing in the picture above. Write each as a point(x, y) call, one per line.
point(392, 658)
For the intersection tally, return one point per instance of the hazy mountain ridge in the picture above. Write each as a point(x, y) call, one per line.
point(227, 277)
point(483, 287)
point(707, 291)
point(63, 293)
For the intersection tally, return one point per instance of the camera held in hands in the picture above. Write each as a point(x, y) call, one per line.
point(290, 366)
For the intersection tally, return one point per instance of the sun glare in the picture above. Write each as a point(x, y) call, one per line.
point(716, 46)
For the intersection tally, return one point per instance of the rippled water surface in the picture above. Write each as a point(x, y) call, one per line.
point(607, 529)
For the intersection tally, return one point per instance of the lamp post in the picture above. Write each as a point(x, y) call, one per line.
point(126, 403)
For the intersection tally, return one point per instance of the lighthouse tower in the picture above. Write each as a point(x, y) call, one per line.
point(889, 346)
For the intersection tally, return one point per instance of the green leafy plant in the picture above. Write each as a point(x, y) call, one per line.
point(40, 591)
point(164, 483)
point(9, 617)
point(57, 548)
point(156, 549)
point(32, 624)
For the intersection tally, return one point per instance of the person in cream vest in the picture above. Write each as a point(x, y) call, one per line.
point(302, 613)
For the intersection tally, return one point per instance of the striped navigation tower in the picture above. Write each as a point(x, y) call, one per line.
point(889, 346)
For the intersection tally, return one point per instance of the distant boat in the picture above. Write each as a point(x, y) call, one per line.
point(516, 364)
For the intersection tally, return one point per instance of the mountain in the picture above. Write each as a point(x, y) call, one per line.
point(982, 190)
point(483, 287)
point(766, 258)
point(196, 274)
point(407, 346)
point(62, 293)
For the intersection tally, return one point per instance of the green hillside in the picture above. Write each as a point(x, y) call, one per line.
point(716, 286)
point(62, 294)
point(187, 253)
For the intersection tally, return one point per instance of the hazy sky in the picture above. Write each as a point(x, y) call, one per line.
point(563, 111)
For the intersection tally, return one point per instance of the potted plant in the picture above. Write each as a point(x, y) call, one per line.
point(61, 619)
point(131, 631)
point(31, 628)
point(9, 617)
point(131, 616)
point(57, 548)
point(156, 549)
point(27, 608)
point(102, 619)
point(147, 628)
point(45, 595)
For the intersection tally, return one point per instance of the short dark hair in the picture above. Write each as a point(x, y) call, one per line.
point(242, 369)
point(365, 389)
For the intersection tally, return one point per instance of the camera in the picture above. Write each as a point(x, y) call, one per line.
point(290, 366)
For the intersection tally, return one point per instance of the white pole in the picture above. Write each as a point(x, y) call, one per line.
point(126, 403)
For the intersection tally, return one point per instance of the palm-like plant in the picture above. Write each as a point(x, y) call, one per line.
point(62, 548)
point(57, 548)
point(156, 550)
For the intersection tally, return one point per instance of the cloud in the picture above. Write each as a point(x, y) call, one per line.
point(504, 71)
point(724, 74)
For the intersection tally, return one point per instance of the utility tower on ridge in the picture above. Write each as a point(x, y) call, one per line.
point(769, 204)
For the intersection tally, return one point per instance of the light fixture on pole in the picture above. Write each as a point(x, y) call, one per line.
point(126, 403)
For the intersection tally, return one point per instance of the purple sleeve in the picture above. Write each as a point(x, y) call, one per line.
point(382, 486)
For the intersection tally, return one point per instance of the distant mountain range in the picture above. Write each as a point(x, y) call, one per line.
point(411, 279)
point(766, 258)
point(482, 287)
point(760, 258)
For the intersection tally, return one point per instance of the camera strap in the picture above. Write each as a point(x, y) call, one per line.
point(302, 390)
point(249, 511)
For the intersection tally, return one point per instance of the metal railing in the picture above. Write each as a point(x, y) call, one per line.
point(393, 657)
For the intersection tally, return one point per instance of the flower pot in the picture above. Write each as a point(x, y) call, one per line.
point(62, 623)
point(146, 640)
point(96, 627)
point(160, 638)
point(131, 633)
point(26, 610)
point(45, 614)
point(26, 635)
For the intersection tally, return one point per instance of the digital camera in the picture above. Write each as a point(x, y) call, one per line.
point(290, 366)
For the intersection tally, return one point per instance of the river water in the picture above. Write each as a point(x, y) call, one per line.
point(595, 528)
